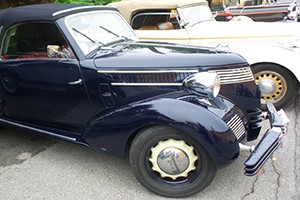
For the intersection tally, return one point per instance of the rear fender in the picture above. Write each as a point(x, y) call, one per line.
point(112, 131)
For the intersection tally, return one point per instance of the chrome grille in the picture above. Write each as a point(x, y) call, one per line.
point(237, 126)
point(235, 75)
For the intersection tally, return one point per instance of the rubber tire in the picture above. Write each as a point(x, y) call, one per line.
point(139, 155)
point(289, 78)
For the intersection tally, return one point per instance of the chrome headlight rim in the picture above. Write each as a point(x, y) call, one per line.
point(205, 84)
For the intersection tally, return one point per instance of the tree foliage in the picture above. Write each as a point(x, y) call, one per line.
point(14, 3)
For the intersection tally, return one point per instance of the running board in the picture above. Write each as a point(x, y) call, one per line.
point(37, 130)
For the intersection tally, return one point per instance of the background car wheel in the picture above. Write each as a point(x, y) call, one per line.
point(276, 84)
point(170, 163)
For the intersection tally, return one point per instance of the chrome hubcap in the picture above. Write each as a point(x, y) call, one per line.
point(173, 158)
point(172, 161)
point(267, 87)
point(272, 85)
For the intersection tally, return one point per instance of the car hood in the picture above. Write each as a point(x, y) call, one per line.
point(164, 55)
point(239, 30)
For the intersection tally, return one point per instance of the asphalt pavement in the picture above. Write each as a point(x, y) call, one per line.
point(34, 167)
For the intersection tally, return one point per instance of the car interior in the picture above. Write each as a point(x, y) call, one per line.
point(155, 20)
point(30, 40)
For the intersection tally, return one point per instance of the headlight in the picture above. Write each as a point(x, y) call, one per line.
point(203, 83)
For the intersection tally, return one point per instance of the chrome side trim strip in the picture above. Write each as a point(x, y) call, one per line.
point(226, 76)
point(147, 72)
point(38, 130)
point(146, 84)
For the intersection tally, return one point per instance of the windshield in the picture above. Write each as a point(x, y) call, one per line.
point(196, 14)
point(87, 32)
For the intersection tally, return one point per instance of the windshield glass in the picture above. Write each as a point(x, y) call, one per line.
point(87, 32)
point(196, 14)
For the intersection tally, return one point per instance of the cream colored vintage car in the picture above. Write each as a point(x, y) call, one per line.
point(272, 49)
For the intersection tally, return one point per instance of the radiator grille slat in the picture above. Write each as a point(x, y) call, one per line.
point(237, 126)
point(235, 75)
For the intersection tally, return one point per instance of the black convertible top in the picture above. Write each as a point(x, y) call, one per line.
point(43, 12)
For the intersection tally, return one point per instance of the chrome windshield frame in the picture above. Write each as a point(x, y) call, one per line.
point(186, 18)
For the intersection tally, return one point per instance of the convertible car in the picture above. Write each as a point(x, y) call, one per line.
point(256, 10)
point(77, 73)
point(272, 49)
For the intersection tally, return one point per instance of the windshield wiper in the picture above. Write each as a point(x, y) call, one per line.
point(121, 38)
point(109, 31)
point(87, 37)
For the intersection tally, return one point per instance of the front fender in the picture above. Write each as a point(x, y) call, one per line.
point(112, 131)
point(276, 55)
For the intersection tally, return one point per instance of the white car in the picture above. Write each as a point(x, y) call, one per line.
point(272, 49)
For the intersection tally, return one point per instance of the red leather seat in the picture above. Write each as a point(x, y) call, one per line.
point(33, 55)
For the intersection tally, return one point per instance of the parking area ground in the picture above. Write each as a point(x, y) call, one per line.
point(34, 167)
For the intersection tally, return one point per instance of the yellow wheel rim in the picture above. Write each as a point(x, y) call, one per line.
point(273, 86)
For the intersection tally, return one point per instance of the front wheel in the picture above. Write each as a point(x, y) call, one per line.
point(276, 84)
point(170, 163)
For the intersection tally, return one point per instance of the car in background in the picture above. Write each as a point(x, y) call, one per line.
point(78, 73)
point(256, 10)
point(272, 49)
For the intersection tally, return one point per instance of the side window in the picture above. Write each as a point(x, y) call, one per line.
point(156, 20)
point(30, 41)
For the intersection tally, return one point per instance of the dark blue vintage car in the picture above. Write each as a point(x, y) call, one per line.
point(77, 73)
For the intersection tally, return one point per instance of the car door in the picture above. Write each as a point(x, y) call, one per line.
point(38, 89)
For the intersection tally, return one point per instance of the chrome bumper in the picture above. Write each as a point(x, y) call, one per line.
point(268, 144)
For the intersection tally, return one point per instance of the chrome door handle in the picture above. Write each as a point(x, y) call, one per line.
point(78, 82)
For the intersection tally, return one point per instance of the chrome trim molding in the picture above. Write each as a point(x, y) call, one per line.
point(226, 76)
point(38, 130)
point(188, 98)
point(147, 72)
point(73, 9)
point(146, 84)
